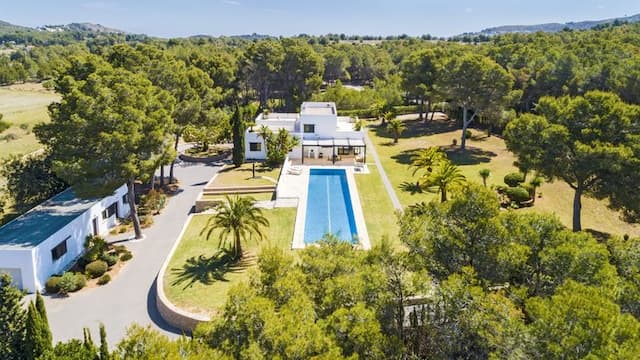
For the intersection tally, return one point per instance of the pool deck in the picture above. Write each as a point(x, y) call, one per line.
point(296, 186)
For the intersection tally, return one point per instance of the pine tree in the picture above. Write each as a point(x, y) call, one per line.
point(238, 137)
point(36, 342)
point(104, 348)
point(12, 319)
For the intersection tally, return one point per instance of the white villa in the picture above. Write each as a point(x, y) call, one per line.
point(323, 134)
point(47, 239)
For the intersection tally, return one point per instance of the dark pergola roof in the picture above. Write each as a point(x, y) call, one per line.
point(333, 142)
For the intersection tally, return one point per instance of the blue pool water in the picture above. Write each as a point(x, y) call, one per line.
point(329, 208)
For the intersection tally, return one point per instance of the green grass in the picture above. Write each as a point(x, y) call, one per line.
point(27, 106)
point(210, 295)
point(483, 152)
point(378, 210)
point(242, 176)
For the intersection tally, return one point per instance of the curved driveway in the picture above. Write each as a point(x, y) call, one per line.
point(130, 297)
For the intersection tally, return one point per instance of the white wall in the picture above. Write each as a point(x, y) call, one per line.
point(37, 265)
point(254, 155)
point(21, 260)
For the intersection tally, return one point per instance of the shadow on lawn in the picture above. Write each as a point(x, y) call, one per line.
point(207, 270)
point(411, 187)
point(416, 128)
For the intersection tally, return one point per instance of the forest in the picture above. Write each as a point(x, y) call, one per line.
point(470, 281)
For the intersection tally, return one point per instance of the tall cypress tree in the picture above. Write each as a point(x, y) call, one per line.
point(42, 311)
point(12, 319)
point(238, 137)
point(104, 348)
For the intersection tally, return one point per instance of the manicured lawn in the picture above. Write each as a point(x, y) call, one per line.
point(194, 284)
point(482, 152)
point(242, 176)
point(24, 105)
point(378, 210)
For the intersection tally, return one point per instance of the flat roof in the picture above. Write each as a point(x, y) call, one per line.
point(318, 108)
point(38, 224)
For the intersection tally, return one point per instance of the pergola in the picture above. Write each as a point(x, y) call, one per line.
point(335, 143)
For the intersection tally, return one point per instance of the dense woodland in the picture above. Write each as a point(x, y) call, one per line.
point(472, 282)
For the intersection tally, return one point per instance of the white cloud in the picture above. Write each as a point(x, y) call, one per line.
point(231, 2)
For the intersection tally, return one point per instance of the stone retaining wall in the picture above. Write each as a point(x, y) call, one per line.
point(173, 315)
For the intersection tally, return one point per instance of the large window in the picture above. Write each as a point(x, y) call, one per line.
point(309, 128)
point(110, 211)
point(59, 250)
point(255, 146)
point(125, 199)
point(344, 150)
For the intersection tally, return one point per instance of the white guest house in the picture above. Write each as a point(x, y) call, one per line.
point(47, 239)
point(323, 135)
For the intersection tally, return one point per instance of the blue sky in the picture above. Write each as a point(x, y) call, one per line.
point(288, 17)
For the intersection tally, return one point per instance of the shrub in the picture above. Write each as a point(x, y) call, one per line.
point(518, 194)
point(119, 249)
point(514, 179)
point(126, 256)
point(468, 134)
point(70, 282)
point(81, 281)
point(111, 258)
point(94, 247)
point(104, 279)
point(52, 286)
point(146, 221)
point(96, 269)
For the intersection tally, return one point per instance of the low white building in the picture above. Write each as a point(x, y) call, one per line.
point(322, 133)
point(48, 238)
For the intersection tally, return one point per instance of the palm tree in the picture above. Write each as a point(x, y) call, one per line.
point(264, 132)
point(387, 117)
point(238, 218)
point(426, 159)
point(484, 173)
point(396, 127)
point(446, 175)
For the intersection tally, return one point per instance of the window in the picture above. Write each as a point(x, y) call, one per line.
point(125, 199)
point(309, 128)
point(255, 146)
point(110, 211)
point(344, 150)
point(60, 249)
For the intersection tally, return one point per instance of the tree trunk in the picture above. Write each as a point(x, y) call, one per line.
point(465, 123)
point(152, 183)
point(443, 194)
point(237, 245)
point(173, 163)
point(161, 176)
point(420, 108)
point(428, 110)
point(132, 209)
point(577, 208)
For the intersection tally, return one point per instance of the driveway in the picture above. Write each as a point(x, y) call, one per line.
point(130, 297)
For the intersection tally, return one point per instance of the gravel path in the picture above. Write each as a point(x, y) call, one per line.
point(130, 297)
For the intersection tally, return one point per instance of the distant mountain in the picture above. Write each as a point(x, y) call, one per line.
point(8, 26)
point(82, 27)
point(555, 27)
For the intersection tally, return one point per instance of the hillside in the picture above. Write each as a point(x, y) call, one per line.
point(555, 27)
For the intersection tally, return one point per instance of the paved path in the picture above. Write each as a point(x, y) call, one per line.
point(130, 297)
point(371, 150)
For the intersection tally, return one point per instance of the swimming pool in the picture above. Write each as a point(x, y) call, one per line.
point(329, 207)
